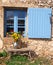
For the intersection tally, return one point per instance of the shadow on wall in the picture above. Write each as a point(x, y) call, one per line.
point(42, 39)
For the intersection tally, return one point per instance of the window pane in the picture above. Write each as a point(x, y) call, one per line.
point(9, 29)
point(21, 26)
point(21, 30)
point(21, 22)
point(10, 25)
point(21, 14)
point(10, 22)
point(10, 14)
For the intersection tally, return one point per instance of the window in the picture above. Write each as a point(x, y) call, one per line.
point(10, 25)
point(14, 21)
point(21, 26)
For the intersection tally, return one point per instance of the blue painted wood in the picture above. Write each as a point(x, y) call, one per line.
point(15, 21)
point(21, 18)
point(39, 25)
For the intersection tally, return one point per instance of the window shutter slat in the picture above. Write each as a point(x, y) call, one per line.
point(39, 25)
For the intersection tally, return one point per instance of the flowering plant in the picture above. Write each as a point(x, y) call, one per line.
point(16, 36)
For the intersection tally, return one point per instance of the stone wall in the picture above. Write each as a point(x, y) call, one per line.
point(41, 47)
point(1, 21)
point(27, 3)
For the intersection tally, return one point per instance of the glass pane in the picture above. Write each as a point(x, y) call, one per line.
point(21, 22)
point(10, 22)
point(21, 14)
point(21, 26)
point(9, 29)
point(10, 25)
point(21, 30)
point(9, 14)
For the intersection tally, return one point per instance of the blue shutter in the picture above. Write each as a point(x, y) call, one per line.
point(39, 25)
point(15, 22)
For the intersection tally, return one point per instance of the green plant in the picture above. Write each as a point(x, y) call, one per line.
point(17, 60)
point(23, 60)
point(3, 54)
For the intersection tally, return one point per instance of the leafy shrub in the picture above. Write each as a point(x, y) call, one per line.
point(3, 54)
point(23, 60)
point(17, 60)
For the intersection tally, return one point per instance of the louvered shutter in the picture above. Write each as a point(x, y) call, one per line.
point(39, 24)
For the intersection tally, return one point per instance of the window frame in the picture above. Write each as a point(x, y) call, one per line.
point(5, 19)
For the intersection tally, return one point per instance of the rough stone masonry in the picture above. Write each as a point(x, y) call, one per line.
point(41, 47)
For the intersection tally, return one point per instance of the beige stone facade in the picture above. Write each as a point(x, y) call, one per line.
point(40, 46)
